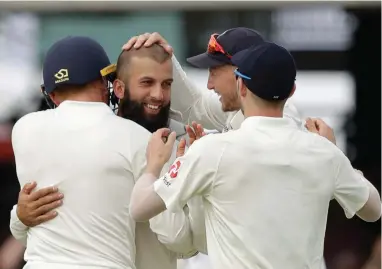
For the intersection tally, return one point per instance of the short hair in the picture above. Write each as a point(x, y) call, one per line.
point(155, 52)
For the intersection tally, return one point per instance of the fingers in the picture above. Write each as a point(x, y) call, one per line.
point(43, 192)
point(171, 139)
point(47, 208)
point(48, 216)
point(51, 198)
point(181, 148)
point(29, 187)
point(199, 130)
point(155, 38)
point(190, 132)
point(162, 132)
point(311, 126)
point(130, 43)
point(147, 40)
point(320, 124)
point(141, 40)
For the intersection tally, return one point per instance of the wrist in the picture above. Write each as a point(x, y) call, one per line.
point(154, 169)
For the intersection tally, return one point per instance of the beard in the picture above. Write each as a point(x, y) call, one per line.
point(134, 111)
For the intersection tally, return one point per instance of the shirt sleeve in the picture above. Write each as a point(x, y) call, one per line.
point(190, 175)
point(18, 229)
point(351, 189)
point(174, 231)
point(195, 104)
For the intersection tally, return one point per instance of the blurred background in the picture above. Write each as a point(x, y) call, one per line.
point(336, 45)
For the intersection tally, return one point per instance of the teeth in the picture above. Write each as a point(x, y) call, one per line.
point(152, 107)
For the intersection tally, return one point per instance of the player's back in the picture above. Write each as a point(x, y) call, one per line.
point(93, 157)
point(270, 198)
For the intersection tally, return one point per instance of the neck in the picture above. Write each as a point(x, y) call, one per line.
point(84, 97)
point(263, 112)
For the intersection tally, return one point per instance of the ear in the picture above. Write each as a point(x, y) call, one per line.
point(54, 98)
point(119, 88)
point(293, 90)
point(241, 87)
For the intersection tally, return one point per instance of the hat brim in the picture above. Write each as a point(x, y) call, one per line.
point(206, 60)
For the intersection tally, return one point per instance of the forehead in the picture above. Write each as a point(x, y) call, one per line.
point(221, 68)
point(147, 67)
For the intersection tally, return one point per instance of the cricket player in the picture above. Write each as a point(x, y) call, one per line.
point(218, 108)
point(282, 177)
point(142, 81)
point(91, 155)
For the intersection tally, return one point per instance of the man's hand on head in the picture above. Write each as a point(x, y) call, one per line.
point(320, 127)
point(34, 208)
point(147, 40)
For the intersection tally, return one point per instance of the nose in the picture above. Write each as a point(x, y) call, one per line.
point(210, 84)
point(157, 93)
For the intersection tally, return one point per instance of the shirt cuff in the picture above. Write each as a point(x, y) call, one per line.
point(16, 221)
point(362, 198)
point(163, 188)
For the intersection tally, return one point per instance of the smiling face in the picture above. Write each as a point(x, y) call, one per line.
point(149, 84)
point(222, 80)
point(146, 88)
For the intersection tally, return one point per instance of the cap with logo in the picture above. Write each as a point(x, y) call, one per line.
point(222, 47)
point(73, 60)
point(268, 70)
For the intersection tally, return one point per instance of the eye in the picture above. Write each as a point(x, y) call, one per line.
point(146, 82)
point(167, 84)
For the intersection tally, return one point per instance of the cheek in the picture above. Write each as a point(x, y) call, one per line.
point(139, 94)
point(166, 96)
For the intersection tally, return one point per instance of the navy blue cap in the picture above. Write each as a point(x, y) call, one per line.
point(233, 41)
point(268, 70)
point(73, 60)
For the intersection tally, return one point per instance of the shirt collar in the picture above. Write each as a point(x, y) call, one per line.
point(78, 105)
point(270, 122)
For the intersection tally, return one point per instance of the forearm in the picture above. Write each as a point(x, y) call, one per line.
point(18, 229)
point(145, 202)
point(195, 104)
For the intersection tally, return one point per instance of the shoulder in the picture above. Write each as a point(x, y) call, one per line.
point(211, 144)
point(32, 120)
point(127, 131)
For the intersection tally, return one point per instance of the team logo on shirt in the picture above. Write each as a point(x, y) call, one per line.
point(173, 171)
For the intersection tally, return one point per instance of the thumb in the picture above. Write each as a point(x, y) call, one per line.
point(309, 124)
point(171, 140)
point(29, 187)
point(181, 148)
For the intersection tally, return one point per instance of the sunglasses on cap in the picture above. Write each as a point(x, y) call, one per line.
point(215, 47)
point(239, 74)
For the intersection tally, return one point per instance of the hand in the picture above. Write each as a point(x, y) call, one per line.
point(37, 207)
point(195, 133)
point(147, 40)
point(159, 150)
point(318, 126)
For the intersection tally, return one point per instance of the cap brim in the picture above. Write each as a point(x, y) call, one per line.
point(206, 60)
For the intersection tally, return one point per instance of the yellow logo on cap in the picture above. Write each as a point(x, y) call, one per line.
point(62, 76)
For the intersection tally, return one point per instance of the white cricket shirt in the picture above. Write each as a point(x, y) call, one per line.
point(266, 190)
point(94, 157)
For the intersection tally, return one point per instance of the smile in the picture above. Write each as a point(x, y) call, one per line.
point(153, 107)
